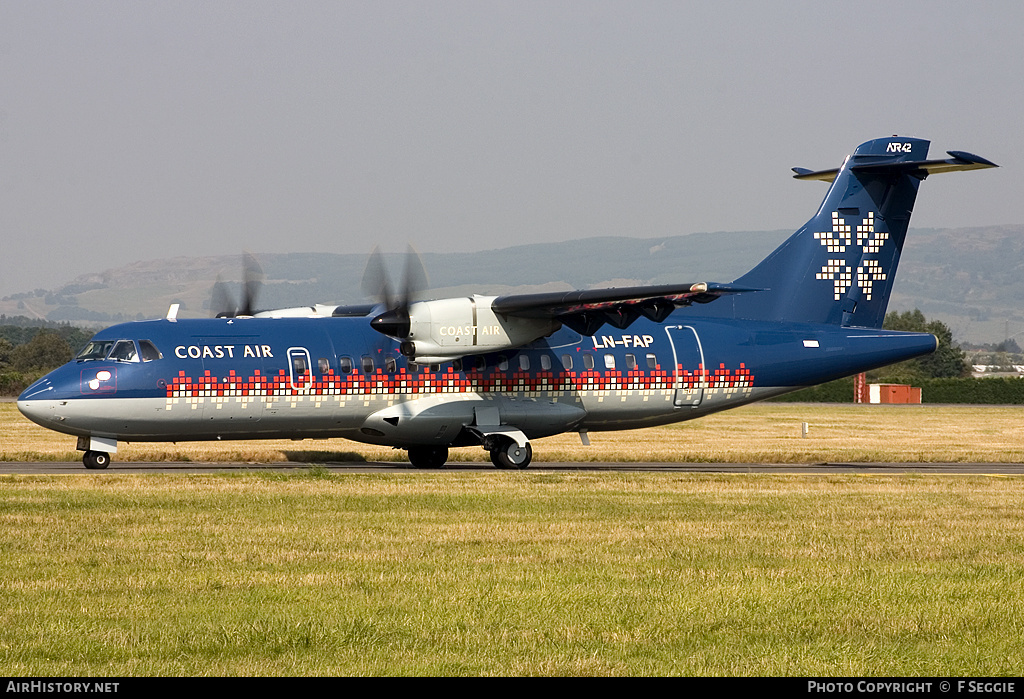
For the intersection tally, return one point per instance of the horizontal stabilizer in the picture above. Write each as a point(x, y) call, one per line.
point(881, 165)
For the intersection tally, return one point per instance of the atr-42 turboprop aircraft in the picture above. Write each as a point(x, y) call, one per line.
point(498, 372)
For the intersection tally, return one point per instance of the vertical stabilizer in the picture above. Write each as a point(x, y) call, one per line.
point(839, 268)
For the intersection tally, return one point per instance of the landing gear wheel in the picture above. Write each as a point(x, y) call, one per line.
point(96, 459)
point(510, 455)
point(428, 457)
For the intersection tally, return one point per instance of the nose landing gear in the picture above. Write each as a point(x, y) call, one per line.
point(97, 450)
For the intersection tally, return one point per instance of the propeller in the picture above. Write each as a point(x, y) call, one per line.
point(394, 321)
point(223, 303)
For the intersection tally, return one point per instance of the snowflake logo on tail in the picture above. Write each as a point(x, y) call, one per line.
point(868, 273)
point(839, 273)
point(842, 236)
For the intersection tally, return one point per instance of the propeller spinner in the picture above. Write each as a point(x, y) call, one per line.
point(223, 303)
point(394, 321)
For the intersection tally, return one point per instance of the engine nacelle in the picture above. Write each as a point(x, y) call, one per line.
point(318, 311)
point(446, 329)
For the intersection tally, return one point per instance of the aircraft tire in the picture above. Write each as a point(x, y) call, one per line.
point(510, 455)
point(428, 457)
point(96, 459)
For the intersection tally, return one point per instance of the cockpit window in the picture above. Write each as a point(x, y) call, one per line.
point(124, 351)
point(149, 351)
point(97, 349)
point(120, 350)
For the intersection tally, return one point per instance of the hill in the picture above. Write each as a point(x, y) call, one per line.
point(969, 278)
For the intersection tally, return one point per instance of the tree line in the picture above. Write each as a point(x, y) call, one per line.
point(948, 361)
point(30, 351)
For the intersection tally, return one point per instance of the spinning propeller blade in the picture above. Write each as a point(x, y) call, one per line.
point(394, 321)
point(222, 302)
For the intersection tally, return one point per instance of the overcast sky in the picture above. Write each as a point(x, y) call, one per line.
point(141, 130)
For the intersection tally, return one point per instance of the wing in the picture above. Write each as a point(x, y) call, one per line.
point(586, 311)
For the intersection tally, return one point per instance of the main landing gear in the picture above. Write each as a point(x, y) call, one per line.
point(508, 454)
point(96, 459)
point(505, 454)
point(428, 457)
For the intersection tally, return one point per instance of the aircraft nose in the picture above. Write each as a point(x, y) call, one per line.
point(30, 402)
point(40, 389)
point(33, 410)
point(37, 402)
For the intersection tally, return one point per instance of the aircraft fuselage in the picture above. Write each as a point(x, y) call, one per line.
point(335, 377)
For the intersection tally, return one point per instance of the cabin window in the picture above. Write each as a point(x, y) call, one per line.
point(457, 364)
point(346, 365)
point(124, 351)
point(567, 362)
point(652, 361)
point(630, 362)
point(524, 362)
point(390, 365)
point(609, 361)
point(323, 365)
point(588, 361)
point(503, 364)
point(149, 351)
point(474, 363)
point(545, 362)
point(367, 362)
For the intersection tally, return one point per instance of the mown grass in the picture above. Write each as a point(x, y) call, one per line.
point(510, 573)
point(760, 433)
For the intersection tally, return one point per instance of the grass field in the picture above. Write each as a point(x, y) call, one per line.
point(528, 573)
point(510, 573)
point(760, 433)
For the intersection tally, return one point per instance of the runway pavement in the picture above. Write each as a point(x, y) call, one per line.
point(962, 469)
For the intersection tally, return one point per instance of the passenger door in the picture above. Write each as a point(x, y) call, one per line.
point(688, 365)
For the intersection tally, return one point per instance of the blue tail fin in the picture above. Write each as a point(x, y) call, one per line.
point(839, 268)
